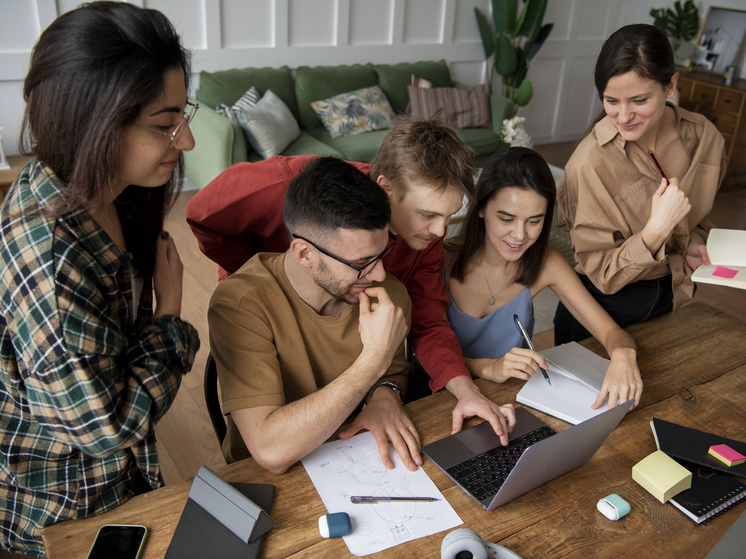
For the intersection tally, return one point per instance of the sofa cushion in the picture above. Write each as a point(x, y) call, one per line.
point(349, 114)
point(394, 79)
point(315, 83)
point(460, 108)
point(269, 125)
point(362, 147)
point(227, 86)
point(304, 145)
point(480, 140)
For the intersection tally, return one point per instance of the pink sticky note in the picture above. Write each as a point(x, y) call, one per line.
point(726, 454)
point(723, 272)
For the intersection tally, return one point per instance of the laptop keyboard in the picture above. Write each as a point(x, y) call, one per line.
point(483, 475)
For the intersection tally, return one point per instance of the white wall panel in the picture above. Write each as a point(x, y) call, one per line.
point(467, 72)
point(465, 28)
point(188, 18)
point(19, 26)
point(560, 12)
point(312, 23)
point(541, 113)
point(577, 110)
point(371, 23)
point(12, 93)
point(247, 23)
point(423, 21)
point(591, 19)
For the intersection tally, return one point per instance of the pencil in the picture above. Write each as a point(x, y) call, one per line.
point(657, 165)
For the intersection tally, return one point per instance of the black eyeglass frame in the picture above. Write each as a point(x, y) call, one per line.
point(358, 269)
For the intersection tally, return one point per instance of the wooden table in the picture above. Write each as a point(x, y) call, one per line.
point(693, 364)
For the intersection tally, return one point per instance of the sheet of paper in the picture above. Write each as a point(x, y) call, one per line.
point(580, 363)
point(727, 247)
point(568, 399)
point(340, 469)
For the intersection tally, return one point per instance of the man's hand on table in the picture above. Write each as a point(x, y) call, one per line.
point(385, 417)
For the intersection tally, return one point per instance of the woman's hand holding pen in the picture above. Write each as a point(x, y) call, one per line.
point(517, 363)
point(669, 206)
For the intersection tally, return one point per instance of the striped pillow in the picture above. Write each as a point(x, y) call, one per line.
point(269, 126)
point(248, 99)
point(461, 108)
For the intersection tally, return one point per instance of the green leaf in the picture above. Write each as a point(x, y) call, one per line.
point(505, 58)
point(533, 47)
point(531, 24)
point(499, 16)
point(488, 41)
point(524, 93)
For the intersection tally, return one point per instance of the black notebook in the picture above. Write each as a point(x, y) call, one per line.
point(710, 494)
point(692, 445)
point(200, 535)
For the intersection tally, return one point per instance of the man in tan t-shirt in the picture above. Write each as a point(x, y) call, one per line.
point(299, 344)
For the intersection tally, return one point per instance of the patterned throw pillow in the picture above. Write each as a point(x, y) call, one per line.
point(358, 111)
point(248, 99)
point(461, 108)
point(417, 82)
point(269, 126)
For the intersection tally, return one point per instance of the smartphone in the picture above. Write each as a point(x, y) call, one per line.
point(118, 541)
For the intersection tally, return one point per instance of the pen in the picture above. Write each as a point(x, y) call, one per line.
point(650, 151)
point(361, 500)
point(522, 330)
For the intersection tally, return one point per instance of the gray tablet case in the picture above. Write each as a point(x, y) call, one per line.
point(244, 507)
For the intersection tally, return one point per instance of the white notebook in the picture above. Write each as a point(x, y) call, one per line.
point(577, 375)
point(727, 251)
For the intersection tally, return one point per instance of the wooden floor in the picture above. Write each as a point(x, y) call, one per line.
point(185, 436)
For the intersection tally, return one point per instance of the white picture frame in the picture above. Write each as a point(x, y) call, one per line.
point(720, 41)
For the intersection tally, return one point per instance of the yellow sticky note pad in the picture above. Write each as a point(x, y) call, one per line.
point(661, 476)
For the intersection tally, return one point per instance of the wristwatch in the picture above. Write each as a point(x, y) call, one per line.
point(387, 384)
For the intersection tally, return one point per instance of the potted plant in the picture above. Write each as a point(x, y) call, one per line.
point(513, 39)
point(681, 26)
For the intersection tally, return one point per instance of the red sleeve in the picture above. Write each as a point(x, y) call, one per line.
point(240, 212)
point(431, 337)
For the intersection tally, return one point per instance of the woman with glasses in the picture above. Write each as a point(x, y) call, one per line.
point(88, 362)
point(501, 260)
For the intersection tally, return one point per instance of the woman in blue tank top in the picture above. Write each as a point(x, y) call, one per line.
point(501, 259)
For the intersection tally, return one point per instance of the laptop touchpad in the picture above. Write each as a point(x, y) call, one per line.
point(480, 439)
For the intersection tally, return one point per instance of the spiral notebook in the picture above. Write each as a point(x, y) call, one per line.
point(710, 494)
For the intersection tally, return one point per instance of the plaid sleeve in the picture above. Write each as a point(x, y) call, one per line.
point(91, 380)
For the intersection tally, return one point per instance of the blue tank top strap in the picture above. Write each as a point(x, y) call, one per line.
point(495, 334)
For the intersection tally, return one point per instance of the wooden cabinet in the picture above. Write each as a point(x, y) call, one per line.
point(725, 106)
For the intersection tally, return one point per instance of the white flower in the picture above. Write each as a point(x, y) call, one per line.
point(514, 133)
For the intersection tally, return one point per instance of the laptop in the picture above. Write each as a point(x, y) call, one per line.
point(493, 474)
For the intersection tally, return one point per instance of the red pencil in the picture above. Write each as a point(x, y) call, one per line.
point(658, 165)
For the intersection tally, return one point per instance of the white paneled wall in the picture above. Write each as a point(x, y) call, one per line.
point(226, 34)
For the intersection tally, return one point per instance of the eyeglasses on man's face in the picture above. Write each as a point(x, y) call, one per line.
point(179, 130)
point(363, 270)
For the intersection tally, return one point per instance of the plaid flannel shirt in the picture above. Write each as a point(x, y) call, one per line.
point(82, 382)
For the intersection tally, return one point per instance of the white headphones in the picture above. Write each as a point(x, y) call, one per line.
point(466, 544)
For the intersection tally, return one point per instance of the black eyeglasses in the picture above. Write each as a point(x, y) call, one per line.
point(363, 270)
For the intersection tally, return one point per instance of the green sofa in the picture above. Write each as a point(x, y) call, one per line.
point(220, 143)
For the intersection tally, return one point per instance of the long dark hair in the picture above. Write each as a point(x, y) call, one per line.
point(518, 168)
point(92, 72)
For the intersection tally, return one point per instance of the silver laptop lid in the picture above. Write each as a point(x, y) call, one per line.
point(559, 454)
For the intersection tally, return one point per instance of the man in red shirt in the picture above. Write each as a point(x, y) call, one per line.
point(426, 171)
